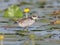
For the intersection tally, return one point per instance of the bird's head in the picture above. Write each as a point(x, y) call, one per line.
point(34, 17)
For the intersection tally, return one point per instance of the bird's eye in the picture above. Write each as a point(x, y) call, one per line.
point(34, 16)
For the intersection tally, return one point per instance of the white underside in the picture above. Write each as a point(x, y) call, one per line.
point(26, 23)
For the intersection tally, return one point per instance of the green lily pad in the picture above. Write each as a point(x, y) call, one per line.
point(13, 11)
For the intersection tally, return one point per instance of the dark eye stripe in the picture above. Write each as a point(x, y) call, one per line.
point(34, 16)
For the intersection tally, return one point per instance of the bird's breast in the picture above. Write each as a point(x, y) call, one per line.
point(26, 23)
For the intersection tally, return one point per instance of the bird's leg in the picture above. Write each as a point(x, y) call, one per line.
point(26, 28)
point(23, 28)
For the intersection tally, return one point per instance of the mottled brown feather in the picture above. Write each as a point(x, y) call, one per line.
point(23, 19)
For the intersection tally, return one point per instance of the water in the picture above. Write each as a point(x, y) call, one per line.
point(19, 40)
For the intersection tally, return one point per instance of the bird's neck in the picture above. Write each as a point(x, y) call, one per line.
point(31, 18)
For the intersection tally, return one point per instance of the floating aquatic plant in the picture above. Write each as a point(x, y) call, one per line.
point(57, 22)
point(13, 12)
point(25, 3)
point(41, 4)
point(44, 20)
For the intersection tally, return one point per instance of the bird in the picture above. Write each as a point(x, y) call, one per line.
point(26, 22)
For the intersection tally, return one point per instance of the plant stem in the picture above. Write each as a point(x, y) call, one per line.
point(26, 15)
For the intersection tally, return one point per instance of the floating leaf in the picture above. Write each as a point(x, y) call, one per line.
point(57, 22)
point(13, 11)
